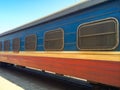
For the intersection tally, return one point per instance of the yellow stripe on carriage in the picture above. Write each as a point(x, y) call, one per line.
point(104, 56)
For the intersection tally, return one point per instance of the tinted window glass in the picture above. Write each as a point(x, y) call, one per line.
point(30, 43)
point(0, 46)
point(54, 40)
point(98, 35)
point(16, 44)
point(7, 45)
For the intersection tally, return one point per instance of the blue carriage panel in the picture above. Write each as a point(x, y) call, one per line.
point(70, 47)
point(70, 28)
point(40, 34)
point(70, 37)
point(40, 48)
point(22, 45)
point(40, 42)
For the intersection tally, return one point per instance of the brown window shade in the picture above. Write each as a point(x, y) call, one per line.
point(54, 40)
point(7, 45)
point(16, 44)
point(0, 46)
point(30, 43)
point(98, 35)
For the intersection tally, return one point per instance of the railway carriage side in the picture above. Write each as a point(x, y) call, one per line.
point(83, 44)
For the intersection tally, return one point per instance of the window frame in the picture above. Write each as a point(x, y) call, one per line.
point(35, 42)
point(18, 49)
point(97, 21)
point(5, 45)
point(1, 46)
point(62, 47)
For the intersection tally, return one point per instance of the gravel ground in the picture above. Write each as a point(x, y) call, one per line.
point(17, 80)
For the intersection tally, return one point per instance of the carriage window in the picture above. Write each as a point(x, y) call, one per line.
point(16, 44)
point(30, 43)
point(7, 45)
point(54, 40)
point(98, 35)
point(0, 46)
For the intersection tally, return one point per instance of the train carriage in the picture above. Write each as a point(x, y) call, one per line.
point(81, 41)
